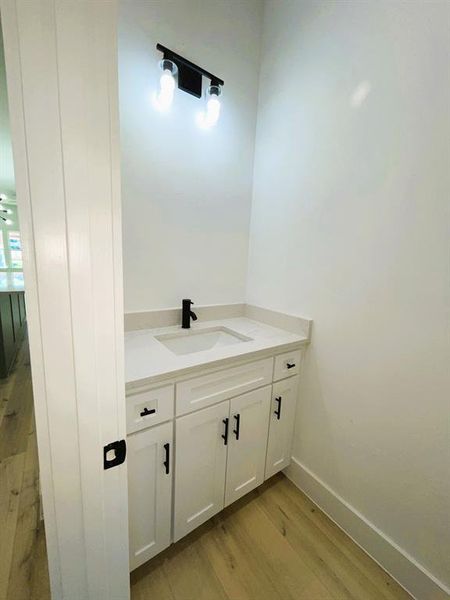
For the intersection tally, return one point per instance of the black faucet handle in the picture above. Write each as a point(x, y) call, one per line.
point(187, 314)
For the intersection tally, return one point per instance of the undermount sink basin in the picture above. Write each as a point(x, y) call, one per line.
point(188, 342)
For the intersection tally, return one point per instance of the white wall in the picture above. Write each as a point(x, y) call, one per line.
point(186, 192)
point(350, 227)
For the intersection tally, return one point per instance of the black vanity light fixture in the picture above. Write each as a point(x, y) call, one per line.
point(189, 78)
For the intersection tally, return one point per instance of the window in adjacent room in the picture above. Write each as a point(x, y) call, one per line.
point(15, 250)
point(2, 254)
point(10, 258)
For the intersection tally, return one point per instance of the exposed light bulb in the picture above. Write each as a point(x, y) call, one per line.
point(210, 116)
point(167, 82)
point(165, 95)
point(212, 110)
point(8, 222)
point(163, 99)
point(3, 197)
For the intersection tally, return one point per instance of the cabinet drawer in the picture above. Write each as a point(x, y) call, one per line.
point(287, 364)
point(208, 389)
point(149, 408)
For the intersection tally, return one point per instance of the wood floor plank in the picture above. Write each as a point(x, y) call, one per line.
point(306, 551)
point(39, 581)
point(149, 581)
point(287, 573)
point(26, 538)
point(312, 550)
point(273, 544)
point(383, 582)
point(6, 386)
point(189, 573)
point(11, 477)
point(15, 422)
point(236, 565)
point(23, 555)
point(287, 508)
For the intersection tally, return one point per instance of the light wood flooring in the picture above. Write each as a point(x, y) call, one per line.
point(274, 544)
point(23, 559)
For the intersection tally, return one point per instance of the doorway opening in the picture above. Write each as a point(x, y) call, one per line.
point(23, 564)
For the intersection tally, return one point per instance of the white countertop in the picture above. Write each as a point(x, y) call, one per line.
point(148, 360)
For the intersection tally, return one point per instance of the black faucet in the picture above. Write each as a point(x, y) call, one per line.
point(187, 314)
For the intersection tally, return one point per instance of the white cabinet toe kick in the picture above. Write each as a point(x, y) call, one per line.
point(197, 445)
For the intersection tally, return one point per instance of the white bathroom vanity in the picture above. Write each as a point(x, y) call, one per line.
point(210, 416)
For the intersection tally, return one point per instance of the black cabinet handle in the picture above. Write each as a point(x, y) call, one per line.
point(166, 463)
point(238, 425)
point(278, 410)
point(225, 434)
point(290, 365)
point(147, 411)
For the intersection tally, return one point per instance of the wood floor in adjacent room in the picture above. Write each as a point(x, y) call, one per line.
point(274, 544)
point(23, 558)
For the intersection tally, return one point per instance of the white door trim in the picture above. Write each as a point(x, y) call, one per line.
point(61, 62)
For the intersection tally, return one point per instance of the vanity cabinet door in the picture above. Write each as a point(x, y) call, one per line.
point(201, 455)
point(149, 491)
point(249, 421)
point(282, 417)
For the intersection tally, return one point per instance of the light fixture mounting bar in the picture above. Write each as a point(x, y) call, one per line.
point(189, 74)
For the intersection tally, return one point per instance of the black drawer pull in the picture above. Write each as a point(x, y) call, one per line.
point(225, 434)
point(147, 411)
point(238, 426)
point(290, 365)
point(277, 412)
point(166, 463)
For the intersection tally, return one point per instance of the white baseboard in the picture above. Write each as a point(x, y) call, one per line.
point(412, 576)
